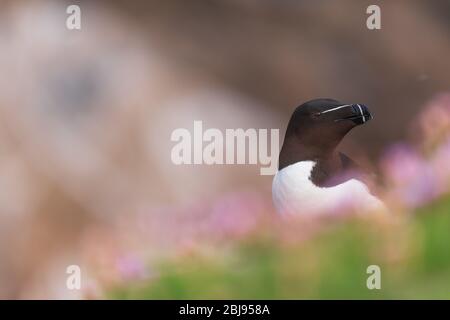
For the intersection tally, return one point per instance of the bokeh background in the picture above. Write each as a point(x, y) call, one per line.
point(85, 170)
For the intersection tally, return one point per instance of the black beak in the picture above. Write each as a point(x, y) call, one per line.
point(360, 114)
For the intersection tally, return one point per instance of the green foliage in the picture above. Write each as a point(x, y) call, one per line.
point(414, 257)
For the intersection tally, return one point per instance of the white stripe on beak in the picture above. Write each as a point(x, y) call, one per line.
point(362, 114)
point(336, 108)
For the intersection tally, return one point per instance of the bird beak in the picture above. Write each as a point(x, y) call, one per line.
point(360, 114)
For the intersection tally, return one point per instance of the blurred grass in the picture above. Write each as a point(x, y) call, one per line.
point(414, 257)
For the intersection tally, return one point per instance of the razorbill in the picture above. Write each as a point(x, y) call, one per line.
point(313, 177)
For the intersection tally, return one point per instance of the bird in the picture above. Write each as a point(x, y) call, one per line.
point(313, 177)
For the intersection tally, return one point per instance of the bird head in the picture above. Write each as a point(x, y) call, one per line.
point(319, 120)
point(318, 126)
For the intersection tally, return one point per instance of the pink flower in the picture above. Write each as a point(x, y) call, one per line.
point(413, 180)
point(433, 124)
point(236, 214)
point(130, 267)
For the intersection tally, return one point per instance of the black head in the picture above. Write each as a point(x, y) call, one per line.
point(316, 128)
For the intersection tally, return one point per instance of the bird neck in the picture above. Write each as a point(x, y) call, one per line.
point(294, 151)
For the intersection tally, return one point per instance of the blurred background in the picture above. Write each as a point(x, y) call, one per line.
point(86, 117)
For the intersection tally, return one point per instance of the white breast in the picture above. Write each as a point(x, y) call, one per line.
point(294, 193)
